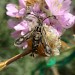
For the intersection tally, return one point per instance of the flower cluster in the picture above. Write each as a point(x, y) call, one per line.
point(53, 13)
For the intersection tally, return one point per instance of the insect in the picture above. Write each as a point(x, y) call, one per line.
point(38, 37)
point(41, 40)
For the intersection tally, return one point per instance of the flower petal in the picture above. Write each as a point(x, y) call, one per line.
point(70, 19)
point(21, 26)
point(11, 10)
point(22, 3)
point(12, 23)
point(10, 14)
point(58, 7)
point(67, 20)
point(36, 7)
point(11, 7)
point(16, 34)
point(22, 12)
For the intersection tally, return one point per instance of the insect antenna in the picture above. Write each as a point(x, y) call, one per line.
point(50, 17)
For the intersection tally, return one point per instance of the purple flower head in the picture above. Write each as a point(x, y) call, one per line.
point(60, 20)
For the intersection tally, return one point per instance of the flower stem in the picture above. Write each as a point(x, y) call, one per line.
point(14, 58)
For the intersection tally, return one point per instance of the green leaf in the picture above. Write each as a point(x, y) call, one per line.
point(51, 62)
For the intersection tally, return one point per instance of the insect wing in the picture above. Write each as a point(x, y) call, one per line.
point(22, 39)
point(41, 50)
point(52, 39)
point(45, 42)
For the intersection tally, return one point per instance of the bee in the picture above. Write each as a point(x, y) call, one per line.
point(39, 37)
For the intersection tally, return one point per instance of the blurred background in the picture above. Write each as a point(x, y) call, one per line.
point(60, 65)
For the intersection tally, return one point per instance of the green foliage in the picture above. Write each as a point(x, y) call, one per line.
point(51, 62)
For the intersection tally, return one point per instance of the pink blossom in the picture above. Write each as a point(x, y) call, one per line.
point(36, 8)
point(61, 9)
point(15, 34)
point(22, 3)
point(12, 23)
point(61, 18)
point(56, 24)
point(14, 11)
point(58, 7)
point(47, 21)
point(69, 20)
point(22, 26)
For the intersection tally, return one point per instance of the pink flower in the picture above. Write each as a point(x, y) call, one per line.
point(36, 8)
point(16, 34)
point(68, 20)
point(56, 24)
point(22, 3)
point(15, 11)
point(22, 26)
point(61, 9)
point(58, 7)
point(12, 23)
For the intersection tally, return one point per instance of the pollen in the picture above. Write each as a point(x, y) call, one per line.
point(58, 4)
point(30, 2)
